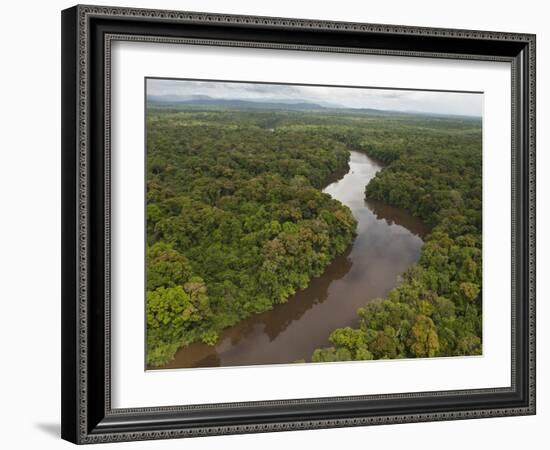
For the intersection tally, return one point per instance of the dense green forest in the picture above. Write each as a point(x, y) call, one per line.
point(434, 171)
point(237, 222)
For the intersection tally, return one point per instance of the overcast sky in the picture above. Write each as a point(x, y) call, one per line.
point(385, 99)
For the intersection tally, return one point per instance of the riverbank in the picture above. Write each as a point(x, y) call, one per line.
point(437, 309)
point(388, 241)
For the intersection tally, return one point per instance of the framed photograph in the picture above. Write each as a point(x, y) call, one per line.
point(279, 224)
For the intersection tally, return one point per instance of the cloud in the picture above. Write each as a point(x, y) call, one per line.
point(459, 103)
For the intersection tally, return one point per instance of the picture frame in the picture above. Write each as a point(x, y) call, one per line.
point(88, 33)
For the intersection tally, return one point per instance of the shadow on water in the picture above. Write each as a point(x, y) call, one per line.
point(266, 326)
point(388, 241)
point(398, 216)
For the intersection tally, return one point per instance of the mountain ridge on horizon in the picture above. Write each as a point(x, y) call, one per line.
point(291, 104)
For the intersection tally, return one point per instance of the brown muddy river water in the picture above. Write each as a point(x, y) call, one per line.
point(388, 241)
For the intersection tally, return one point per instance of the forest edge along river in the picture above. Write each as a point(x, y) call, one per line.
point(388, 241)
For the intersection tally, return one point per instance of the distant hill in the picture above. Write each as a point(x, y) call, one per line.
point(285, 104)
point(204, 100)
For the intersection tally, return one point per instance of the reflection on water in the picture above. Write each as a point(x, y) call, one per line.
point(397, 216)
point(388, 240)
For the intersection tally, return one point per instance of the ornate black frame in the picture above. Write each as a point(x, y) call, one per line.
point(87, 31)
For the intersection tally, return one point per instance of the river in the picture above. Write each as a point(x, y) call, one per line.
point(388, 241)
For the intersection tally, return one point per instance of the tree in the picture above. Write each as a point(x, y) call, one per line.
point(423, 339)
point(166, 267)
point(470, 291)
